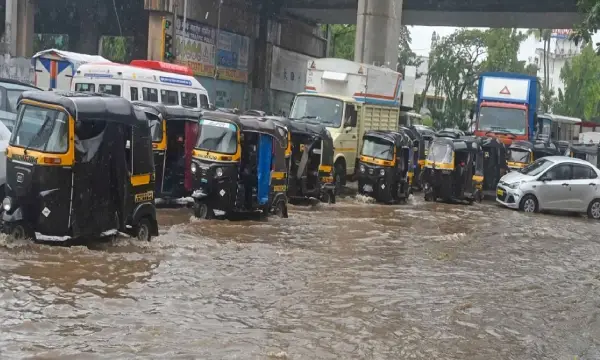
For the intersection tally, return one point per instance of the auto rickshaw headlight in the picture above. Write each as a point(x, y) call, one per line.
point(7, 204)
point(219, 172)
point(382, 172)
point(194, 168)
point(362, 168)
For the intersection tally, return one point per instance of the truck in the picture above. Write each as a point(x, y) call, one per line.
point(55, 69)
point(506, 106)
point(349, 98)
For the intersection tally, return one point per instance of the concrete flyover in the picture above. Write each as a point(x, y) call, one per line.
point(557, 14)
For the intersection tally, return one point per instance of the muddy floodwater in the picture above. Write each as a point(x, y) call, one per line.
point(347, 281)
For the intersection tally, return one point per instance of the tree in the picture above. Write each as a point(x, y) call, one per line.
point(547, 92)
point(590, 23)
point(502, 50)
point(406, 57)
point(454, 67)
point(581, 97)
point(342, 41)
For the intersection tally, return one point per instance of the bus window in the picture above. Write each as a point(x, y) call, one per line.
point(189, 99)
point(85, 87)
point(203, 101)
point(134, 94)
point(169, 97)
point(149, 94)
point(110, 89)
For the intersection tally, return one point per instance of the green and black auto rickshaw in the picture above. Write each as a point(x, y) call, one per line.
point(239, 166)
point(174, 132)
point(587, 152)
point(310, 155)
point(79, 165)
point(522, 153)
point(383, 166)
point(454, 170)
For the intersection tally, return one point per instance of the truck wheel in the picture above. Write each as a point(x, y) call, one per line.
point(339, 174)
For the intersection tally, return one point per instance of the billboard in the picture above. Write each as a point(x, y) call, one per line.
point(561, 33)
point(288, 70)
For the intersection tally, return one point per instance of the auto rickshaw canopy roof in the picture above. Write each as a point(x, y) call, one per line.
point(591, 149)
point(492, 142)
point(170, 112)
point(464, 145)
point(88, 106)
point(411, 132)
point(248, 123)
point(399, 139)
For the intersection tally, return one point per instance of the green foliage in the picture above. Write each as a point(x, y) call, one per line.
point(502, 49)
point(406, 57)
point(581, 97)
point(342, 41)
point(590, 23)
point(427, 121)
point(50, 41)
point(117, 48)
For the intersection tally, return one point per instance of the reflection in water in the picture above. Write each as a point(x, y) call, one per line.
point(353, 280)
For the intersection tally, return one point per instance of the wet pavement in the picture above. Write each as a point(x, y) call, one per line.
point(347, 281)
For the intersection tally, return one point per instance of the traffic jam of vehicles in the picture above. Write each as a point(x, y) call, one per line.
point(109, 142)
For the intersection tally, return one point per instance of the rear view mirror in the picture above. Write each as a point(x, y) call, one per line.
point(544, 178)
point(348, 128)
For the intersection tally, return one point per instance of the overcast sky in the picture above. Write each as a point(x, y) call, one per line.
point(421, 39)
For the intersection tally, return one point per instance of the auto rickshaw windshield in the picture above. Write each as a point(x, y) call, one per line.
point(378, 148)
point(217, 136)
point(156, 129)
point(518, 155)
point(41, 129)
point(440, 153)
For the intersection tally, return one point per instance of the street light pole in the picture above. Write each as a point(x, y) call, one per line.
point(217, 51)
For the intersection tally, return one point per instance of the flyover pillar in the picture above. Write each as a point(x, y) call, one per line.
point(378, 32)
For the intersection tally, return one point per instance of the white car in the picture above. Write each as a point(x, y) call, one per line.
point(553, 183)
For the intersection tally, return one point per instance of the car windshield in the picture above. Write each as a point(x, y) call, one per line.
point(378, 148)
point(519, 155)
point(323, 110)
point(41, 129)
point(217, 136)
point(502, 120)
point(537, 167)
point(440, 153)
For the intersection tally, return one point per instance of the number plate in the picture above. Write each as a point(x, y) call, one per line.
point(368, 188)
point(500, 192)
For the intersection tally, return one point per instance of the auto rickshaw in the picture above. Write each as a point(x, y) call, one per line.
point(415, 139)
point(454, 170)
point(522, 153)
point(79, 165)
point(494, 163)
point(174, 132)
point(310, 149)
point(588, 152)
point(239, 166)
point(383, 166)
point(426, 137)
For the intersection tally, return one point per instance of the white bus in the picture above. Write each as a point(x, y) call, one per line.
point(143, 80)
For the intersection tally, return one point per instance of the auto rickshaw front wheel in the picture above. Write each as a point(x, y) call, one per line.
point(142, 231)
point(20, 231)
point(281, 209)
point(203, 211)
point(328, 197)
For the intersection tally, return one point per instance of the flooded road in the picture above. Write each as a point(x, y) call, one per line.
point(346, 281)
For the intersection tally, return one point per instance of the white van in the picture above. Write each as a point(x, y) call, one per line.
point(143, 80)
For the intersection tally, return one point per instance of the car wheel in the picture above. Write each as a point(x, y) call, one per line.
point(594, 210)
point(529, 204)
point(339, 173)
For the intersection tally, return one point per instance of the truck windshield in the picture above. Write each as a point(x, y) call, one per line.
point(217, 136)
point(319, 109)
point(440, 153)
point(41, 129)
point(519, 155)
point(378, 148)
point(502, 120)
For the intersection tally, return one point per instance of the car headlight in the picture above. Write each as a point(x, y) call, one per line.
point(219, 172)
point(7, 203)
point(194, 168)
point(362, 168)
point(514, 185)
point(381, 172)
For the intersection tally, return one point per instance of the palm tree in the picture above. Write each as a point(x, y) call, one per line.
point(544, 35)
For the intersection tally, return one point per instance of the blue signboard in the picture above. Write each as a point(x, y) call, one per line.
point(228, 59)
point(174, 81)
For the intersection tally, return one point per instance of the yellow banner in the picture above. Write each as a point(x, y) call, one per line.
point(233, 75)
point(198, 68)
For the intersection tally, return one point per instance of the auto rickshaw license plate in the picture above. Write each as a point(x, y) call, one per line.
point(368, 188)
point(500, 192)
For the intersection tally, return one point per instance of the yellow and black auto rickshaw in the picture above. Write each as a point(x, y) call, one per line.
point(174, 132)
point(310, 149)
point(588, 152)
point(494, 163)
point(383, 166)
point(79, 165)
point(415, 139)
point(426, 136)
point(454, 170)
point(522, 153)
point(239, 166)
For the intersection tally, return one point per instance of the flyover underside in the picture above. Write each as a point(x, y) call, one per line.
point(544, 20)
